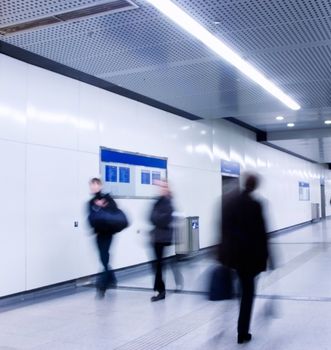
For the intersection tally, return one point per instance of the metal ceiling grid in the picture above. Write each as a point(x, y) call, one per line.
point(241, 15)
point(93, 56)
point(279, 37)
point(318, 93)
point(86, 26)
point(297, 64)
point(154, 56)
point(185, 77)
point(128, 36)
point(221, 87)
point(274, 27)
point(16, 11)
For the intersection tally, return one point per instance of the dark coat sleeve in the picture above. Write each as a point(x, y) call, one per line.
point(161, 216)
point(111, 206)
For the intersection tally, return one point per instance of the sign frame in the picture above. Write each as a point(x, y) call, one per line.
point(132, 155)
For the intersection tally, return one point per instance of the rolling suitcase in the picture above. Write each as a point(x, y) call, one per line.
point(221, 284)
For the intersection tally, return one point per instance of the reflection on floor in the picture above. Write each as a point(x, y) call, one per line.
point(292, 310)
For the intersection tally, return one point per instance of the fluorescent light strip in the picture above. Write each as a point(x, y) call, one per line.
point(180, 17)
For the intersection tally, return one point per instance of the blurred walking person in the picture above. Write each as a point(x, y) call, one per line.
point(244, 246)
point(101, 204)
point(162, 235)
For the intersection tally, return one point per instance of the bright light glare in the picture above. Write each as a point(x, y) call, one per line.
point(180, 17)
point(327, 122)
point(280, 117)
point(290, 125)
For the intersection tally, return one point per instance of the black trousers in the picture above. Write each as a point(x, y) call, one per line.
point(108, 276)
point(247, 297)
point(159, 285)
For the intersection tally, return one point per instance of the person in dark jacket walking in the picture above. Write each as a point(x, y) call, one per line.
point(244, 246)
point(161, 235)
point(103, 234)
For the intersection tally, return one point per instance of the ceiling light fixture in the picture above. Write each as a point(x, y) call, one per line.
point(327, 122)
point(185, 21)
point(280, 117)
point(290, 125)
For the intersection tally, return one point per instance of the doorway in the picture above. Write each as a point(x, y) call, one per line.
point(229, 184)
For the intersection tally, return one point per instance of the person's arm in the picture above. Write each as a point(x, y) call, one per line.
point(161, 215)
point(111, 204)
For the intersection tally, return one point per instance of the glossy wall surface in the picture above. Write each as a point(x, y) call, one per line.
point(51, 128)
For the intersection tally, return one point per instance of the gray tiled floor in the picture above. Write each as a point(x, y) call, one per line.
point(299, 292)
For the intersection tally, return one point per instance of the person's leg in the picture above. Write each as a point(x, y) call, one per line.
point(111, 279)
point(158, 284)
point(178, 276)
point(103, 243)
point(247, 287)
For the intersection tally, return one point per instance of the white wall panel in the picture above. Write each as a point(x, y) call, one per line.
point(85, 248)
point(250, 157)
point(237, 147)
point(197, 193)
point(118, 122)
point(52, 193)
point(190, 143)
point(221, 144)
point(12, 217)
point(52, 109)
point(132, 246)
point(92, 107)
point(148, 131)
point(13, 101)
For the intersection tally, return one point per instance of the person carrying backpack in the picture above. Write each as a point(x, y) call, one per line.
point(106, 219)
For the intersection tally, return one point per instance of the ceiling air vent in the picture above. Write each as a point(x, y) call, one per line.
point(73, 15)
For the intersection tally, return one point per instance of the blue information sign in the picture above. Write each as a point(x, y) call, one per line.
point(304, 191)
point(145, 177)
point(230, 168)
point(156, 176)
point(124, 175)
point(111, 173)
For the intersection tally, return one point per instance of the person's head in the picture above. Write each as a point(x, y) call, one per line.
point(163, 187)
point(95, 185)
point(251, 182)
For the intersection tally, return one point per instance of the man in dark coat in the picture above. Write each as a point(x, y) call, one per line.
point(161, 235)
point(103, 234)
point(244, 245)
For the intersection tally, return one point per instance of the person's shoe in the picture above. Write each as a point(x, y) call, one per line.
point(244, 338)
point(158, 297)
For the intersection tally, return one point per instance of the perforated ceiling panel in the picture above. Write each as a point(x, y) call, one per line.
point(143, 51)
point(17, 11)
